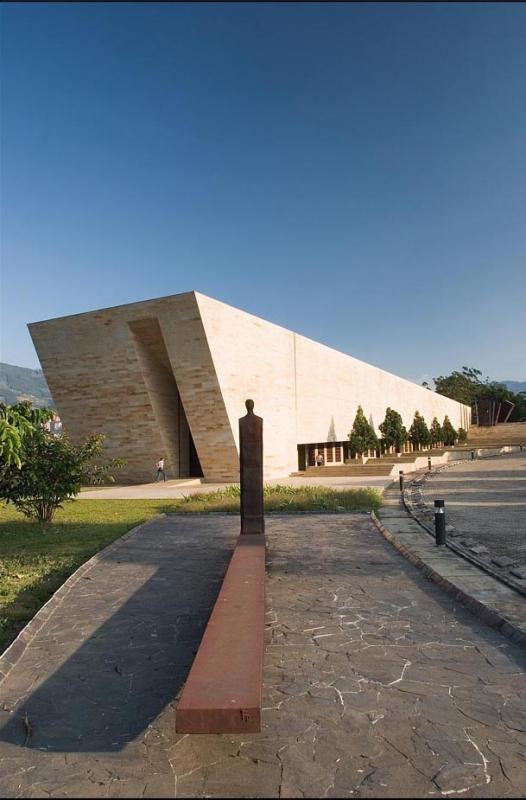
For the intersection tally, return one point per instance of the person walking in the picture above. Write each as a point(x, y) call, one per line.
point(160, 469)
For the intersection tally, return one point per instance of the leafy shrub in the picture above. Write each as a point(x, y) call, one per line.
point(52, 470)
point(18, 423)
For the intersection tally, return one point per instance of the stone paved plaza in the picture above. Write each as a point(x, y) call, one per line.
point(375, 685)
point(486, 500)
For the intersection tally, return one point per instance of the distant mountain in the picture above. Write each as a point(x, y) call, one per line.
point(515, 386)
point(20, 383)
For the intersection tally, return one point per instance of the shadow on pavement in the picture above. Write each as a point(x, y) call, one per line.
point(134, 664)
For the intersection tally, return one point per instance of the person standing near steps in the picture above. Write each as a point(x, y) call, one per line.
point(160, 469)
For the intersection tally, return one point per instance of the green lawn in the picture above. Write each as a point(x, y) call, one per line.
point(36, 559)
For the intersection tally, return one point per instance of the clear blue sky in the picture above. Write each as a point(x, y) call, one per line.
point(356, 173)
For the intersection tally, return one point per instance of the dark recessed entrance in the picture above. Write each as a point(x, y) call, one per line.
point(194, 465)
point(152, 355)
point(189, 464)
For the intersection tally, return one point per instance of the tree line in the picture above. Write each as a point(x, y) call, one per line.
point(363, 438)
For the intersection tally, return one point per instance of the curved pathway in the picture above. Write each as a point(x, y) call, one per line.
point(375, 684)
point(486, 501)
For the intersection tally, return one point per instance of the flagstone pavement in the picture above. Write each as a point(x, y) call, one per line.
point(375, 683)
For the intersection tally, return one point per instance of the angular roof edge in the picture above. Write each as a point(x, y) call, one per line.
point(247, 313)
point(109, 308)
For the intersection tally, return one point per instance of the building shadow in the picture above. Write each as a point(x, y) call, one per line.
point(135, 663)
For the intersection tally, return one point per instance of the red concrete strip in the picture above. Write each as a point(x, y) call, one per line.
point(223, 689)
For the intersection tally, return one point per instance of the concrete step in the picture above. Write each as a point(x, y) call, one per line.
point(378, 468)
point(502, 434)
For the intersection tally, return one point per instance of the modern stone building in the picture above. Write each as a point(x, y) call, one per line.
point(170, 376)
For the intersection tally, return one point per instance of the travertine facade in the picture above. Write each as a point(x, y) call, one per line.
point(158, 375)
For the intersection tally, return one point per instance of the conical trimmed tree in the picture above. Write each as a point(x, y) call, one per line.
point(449, 434)
point(419, 432)
point(394, 433)
point(362, 437)
point(436, 432)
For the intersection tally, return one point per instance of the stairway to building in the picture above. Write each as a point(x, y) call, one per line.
point(376, 466)
point(502, 434)
point(508, 433)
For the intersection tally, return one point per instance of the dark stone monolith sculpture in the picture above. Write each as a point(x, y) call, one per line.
point(251, 471)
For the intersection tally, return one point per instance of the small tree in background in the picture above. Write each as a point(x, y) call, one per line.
point(419, 432)
point(435, 432)
point(449, 434)
point(394, 434)
point(362, 437)
point(462, 435)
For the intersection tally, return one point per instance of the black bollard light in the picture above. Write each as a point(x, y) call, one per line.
point(440, 522)
point(401, 479)
point(429, 463)
point(473, 455)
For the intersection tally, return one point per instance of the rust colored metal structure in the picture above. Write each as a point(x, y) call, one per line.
point(251, 471)
point(492, 410)
point(223, 690)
